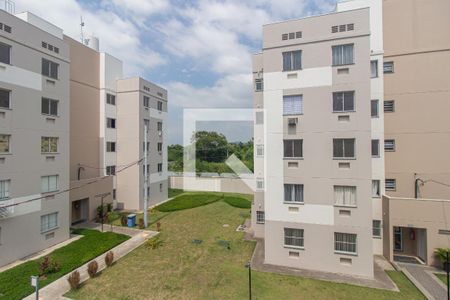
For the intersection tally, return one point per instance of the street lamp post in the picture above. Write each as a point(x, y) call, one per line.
point(448, 278)
point(104, 195)
point(249, 267)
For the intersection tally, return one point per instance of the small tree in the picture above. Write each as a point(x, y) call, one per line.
point(141, 224)
point(441, 253)
point(92, 268)
point(123, 220)
point(109, 258)
point(74, 280)
point(48, 266)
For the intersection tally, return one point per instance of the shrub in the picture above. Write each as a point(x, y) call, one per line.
point(186, 201)
point(237, 202)
point(158, 226)
point(154, 242)
point(74, 280)
point(109, 258)
point(141, 224)
point(441, 253)
point(92, 268)
point(123, 220)
point(47, 266)
point(109, 207)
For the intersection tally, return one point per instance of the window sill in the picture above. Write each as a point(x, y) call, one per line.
point(49, 116)
point(389, 150)
point(49, 78)
point(6, 153)
point(293, 203)
point(49, 193)
point(49, 230)
point(262, 223)
point(344, 111)
point(375, 117)
point(6, 108)
point(375, 156)
point(293, 114)
point(292, 158)
point(376, 237)
point(50, 153)
point(345, 253)
point(293, 247)
point(345, 206)
point(294, 70)
point(343, 65)
point(344, 158)
point(376, 197)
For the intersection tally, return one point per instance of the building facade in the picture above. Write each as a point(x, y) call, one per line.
point(417, 130)
point(34, 135)
point(318, 164)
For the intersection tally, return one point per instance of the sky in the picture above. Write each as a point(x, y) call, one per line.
point(199, 50)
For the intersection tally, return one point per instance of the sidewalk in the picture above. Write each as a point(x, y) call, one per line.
point(58, 288)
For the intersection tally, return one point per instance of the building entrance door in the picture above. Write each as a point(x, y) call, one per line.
point(398, 241)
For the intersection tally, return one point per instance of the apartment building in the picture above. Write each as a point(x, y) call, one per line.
point(34, 135)
point(417, 129)
point(318, 127)
point(108, 114)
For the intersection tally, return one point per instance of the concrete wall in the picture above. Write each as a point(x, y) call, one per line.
point(429, 214)
point(25, 164)
point(420, 49)
point(212, 184)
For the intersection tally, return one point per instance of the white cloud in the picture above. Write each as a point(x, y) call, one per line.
point(143, 7)
point(118, 36)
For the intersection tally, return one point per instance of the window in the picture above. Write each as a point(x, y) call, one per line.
point(343, 148)
point(111, 123)
point(259, 85)
point(293, 237)
point(298, 35)
point(49, 222)
point(4, 189)
point(5, 98)
point(345, 242)
point(110, 147)
point(159, 126)
point(293, 148)
point(345, 195)
point(376, 228)
point(144, 169)
point(259, 183)
point(49, 183)
point(389, 145)
point(388, 67)
point(259, 117)
point(160, 187)
point(259, 150)
point(146, 101)
point(343, 101)
point(291, 35)
point(160, 167)
point(389, 106)
point(284, 36)
point(159, 147)
point(293, 193)
point(374, 108)
point(342, 54)
point(111, 99)
point(292, 60)
point(260, 217)
point(373, 68)
point(350, 27)
point(114, 195)
point(390, 184)
point(49, 69)
point(160, 105)
point(49, 144)
point(148, 146)
point(375, 148)
point(110, 170)
point(5, 140)
point(376, 188)
point(49, 107)
point(293, 105)
point(5, 53)
point(147, 123)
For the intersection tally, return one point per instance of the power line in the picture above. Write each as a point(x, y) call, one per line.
point(71, 189)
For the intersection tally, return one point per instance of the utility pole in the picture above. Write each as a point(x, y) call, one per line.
point(447, 265)
point(249, 267)
point(145, 176)
point(104, 195)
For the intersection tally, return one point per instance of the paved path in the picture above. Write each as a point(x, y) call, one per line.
point(422, 277)
point(58, 288)
point(381, 279)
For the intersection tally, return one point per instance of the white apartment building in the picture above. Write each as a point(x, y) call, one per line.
point(318, 131)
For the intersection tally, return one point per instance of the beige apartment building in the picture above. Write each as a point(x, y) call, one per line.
point(318, 169)
point(417, 127)
point(34, 135)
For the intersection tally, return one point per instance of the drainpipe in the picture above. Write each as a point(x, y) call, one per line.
point(80, 168)
point(416, 186)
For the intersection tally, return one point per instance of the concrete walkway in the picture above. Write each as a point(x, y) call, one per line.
point(423, 278)
point(381, 279)
point(59, 287)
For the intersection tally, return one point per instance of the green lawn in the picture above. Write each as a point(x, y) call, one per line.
point(238, 202)
point(15, 282)
point(442, 277)
point(206, 269)
point(175, 192)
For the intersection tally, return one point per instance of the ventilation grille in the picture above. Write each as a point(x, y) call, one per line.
point(291, 36)
point(5, 28)
point(342, 28)
point(50, 47)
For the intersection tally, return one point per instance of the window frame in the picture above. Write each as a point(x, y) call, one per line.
point(260, 217)
point(49, 140)
point(5, 189)
point(259, 84)
point(345, 244)
point(376, 68)
point(9, 53)
point(378, 194)
point(8, 140)
point(377, 229)
point(9, 92)
point(49, 106)
point(292, 109)
point(342, 56)
point(293, 192)
point(110, 122)
point(378, 154)
point(293, 148)
point(110, 99)
point(343, 94)
point(292, 66)
point(345, 203)
point(377, 115)
point(45, 230)
point(146, 101)
point(51, 65)
point(343, 157)
point(49, 188)
point(111, 170)
point(259, 148)
point(293, 237)
point(111, 147)
point(159, 105)
point(160, 167)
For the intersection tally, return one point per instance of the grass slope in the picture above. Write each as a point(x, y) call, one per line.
point(15, 282)
point(237, 202)
point(189, 200)
point(181, 269)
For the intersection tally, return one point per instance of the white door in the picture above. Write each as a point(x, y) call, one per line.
point(422, 244)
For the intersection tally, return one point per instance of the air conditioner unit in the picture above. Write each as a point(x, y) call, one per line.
point(160, 133)
point(292, 121)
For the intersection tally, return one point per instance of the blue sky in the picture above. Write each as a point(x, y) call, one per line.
point(200, 51)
